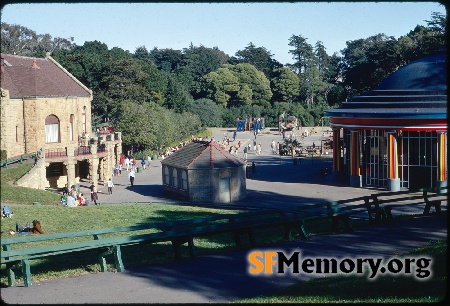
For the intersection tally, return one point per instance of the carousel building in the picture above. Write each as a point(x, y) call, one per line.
point(202, 171)
point(395, 136)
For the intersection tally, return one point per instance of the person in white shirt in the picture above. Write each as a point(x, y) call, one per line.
point(127, 163)
point(110, 186)
point(131, 176)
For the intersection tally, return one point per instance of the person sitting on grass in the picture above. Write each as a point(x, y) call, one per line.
point(36, 229)
point(81, 200)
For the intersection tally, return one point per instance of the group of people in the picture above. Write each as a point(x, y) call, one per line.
point(128, 162)
point(73, 197)
point(170, 150)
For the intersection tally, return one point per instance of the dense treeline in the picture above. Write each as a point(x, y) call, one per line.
point(160, 96)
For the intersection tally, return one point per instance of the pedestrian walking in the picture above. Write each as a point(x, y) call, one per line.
point(127, 163)
point(131, 175)
point(272, 145)
point(110, 186)
point(94, 196)
point(143, 163)
point(245, 153)
point(92, 188)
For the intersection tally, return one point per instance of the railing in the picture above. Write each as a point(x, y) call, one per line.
point(82, 150)
point(55, 153)
point(6, 162)
point(101, 148)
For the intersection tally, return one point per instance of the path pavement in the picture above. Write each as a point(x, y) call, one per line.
point(276, 177)
point(224, 278)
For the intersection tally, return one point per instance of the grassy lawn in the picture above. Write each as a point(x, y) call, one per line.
point(11, 193)
point(56, 219)
point(336, 289)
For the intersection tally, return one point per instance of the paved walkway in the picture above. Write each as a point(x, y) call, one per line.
point(276, 177)
point(223, 278)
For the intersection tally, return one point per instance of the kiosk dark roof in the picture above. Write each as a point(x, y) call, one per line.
point(202, 155)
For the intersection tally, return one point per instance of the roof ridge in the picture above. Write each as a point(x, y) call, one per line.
point(68, 73)
point(226, 154)
point(197, 157)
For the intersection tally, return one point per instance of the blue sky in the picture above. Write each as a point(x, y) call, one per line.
point(228, 26)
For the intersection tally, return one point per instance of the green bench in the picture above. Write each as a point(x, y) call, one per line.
point(385, 202)
point(338, 212)
point(177, 232)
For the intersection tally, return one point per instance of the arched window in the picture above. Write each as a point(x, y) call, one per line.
point(174, 178)
point(184, 180)
point(51, 129)
point(166, 175)
point(71, 128)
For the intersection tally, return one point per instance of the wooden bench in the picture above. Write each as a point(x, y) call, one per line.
point(177, 232)
point(337, 211)
point(385, 202)
point(430, 196)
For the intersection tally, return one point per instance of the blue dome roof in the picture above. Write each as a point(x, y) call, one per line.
point(429, 73)
point(417, 91)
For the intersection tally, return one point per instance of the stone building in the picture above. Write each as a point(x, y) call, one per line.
point(201, 171)
point(44, 107)
point(396, 135)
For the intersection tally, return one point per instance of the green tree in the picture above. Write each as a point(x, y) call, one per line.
point(142, 53)
point(285, 85)
point(254, 87)
point(302, 54)
point(208, 111)
point(125, 79)
point(138, 123)
point(259, 57)
point(167, 60)
point(374, 58)
point(19, 40)
point(197, 62)
point(219, 85)
point(177, 96)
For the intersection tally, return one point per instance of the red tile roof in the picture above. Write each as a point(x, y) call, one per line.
point(38, 77)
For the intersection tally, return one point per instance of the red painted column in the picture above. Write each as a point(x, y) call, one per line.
point(393, 179)
point(442, 159)
point(336, 149)
point(355, 156)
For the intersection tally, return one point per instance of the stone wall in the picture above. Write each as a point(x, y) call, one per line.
point(205, 185)
point(12, 128)
point(35, 178)
point(26, 118)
